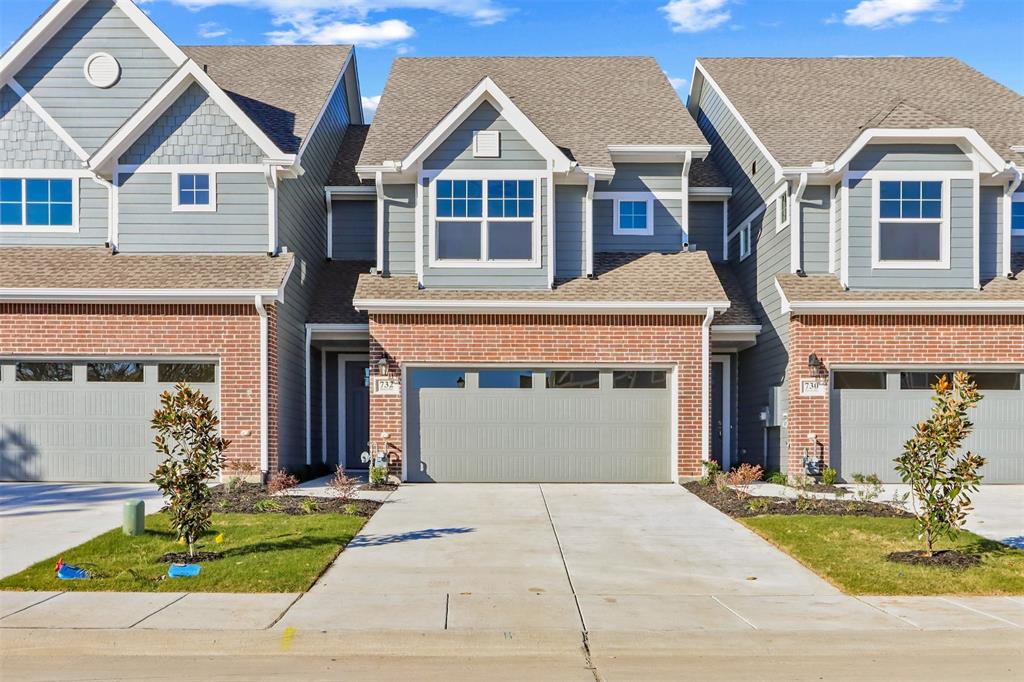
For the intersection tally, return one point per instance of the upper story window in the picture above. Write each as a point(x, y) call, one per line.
point(1017, 215)
point(911, 228)
point(194, 192)
point(745, 241)
point(782, 211)
point(41, 204)
point(480, 222)
point(634, 215)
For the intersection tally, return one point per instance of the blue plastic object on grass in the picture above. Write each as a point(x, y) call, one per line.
point(68, 572)
point(183, 570)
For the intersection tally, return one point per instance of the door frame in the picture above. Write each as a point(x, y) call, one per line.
point(726, 362)
point(343, 360)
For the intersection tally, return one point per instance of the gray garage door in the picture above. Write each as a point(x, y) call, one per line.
point(86, 420)
point(873, 415)
point(529, 425)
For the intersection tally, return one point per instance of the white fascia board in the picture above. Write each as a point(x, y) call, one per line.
point(138, 295)
point(656, 153)
point(736, 328)
point(907, 307)
point(970, 135)
point(338, 326)
point(776, 166)
point(784, 305)
point(710, 191)
point(351, 190)
point(327, 103)
point(163, 98)
point(487, 90)
point(592, 307)
point(50, 121)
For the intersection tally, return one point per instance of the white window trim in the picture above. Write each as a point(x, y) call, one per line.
point(194, 208)
point(1018, 198)
point(619, 197)
point(944, 226)
point(781, 225)
point(40, 174)
point(745, 231)
point(534, 262)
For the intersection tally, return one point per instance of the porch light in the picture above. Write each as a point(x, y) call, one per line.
point(813, 362)
point(460, 382)
point(382, 367)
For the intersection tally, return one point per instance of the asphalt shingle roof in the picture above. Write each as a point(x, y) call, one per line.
point(809, 109)
point(740, 311)
point(282, 88)
point(332, 303)
point(343, 170)
point(582, 104)
point(30, 267)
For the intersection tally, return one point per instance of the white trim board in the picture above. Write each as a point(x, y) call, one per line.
point(50, 121)
point(76, 204)
point(539, 307)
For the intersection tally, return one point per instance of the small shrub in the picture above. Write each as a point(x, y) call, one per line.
point(711, 473)
point(800, 481)
point(868, 488)
point(234, 483)
point(344, 485)
point(804, 503)
point(829, 476)
point(267, 504)
point(378, 475)
point(350, 509)
point(778, 478)
point(240, 467)
point(744, 475)
point(280, 481)
point(309, 506)
point(760, 505)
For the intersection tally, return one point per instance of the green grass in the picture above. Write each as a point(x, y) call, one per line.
point(263, 553)
point(850, 551)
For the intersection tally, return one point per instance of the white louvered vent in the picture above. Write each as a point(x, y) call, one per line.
point(486, 144)
point(102, 70)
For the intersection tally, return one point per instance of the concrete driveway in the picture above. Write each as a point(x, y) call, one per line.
point(591, 557)
point(38, 520)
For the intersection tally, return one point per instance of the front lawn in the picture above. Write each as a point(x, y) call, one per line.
point(850, 552)
point(271, 552)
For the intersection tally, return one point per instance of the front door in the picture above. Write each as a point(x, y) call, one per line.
point(357, 413)
point(717, 414)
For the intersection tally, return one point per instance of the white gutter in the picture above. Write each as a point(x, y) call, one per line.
point(264, 386)
point(136, 295)
point(330, 224)
point(961, 307)
point(1007, 222)
point(796, 225)
point(538, 307)
point(588, 227)
point(684, 204)
point(705, 385)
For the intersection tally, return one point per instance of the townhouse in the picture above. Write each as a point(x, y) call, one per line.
point(525, 269)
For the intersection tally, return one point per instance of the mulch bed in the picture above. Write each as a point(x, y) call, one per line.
point(184, 558)
point(738, 505)
point(381, 487)
point(245, 498)
point(947, 558)
point(822, 488)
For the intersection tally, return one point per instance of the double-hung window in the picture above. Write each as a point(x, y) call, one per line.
point(37, 204)
point(745, 245)
point(194, 192)
point(485, 221)
point(911, 225)
point(1017, 216)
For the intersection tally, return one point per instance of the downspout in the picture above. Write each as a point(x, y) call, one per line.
point(1007, 218)
point(379, 182)
point(705, 385)
point(270, 172)
point(111, 210)
point(795, 225)
point(588, 226)
point(684, 205)
point(264, 386)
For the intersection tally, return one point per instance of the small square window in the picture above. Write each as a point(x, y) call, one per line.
point(633, 217)
point(195, 192)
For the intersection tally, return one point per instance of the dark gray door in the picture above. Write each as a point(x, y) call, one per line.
point(529, 425)
point(87, 420)
point(873, 415)
point(357, 414)
point(717, 413)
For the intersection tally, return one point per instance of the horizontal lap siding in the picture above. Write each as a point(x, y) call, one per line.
point(54, 75)
point(569, 231)
point(400, 229)
point(910, 158)
point(815, 210)
point(456, 151)
point(705, 230)
point(354, 226)
point(991, 241)
point(92, 222)
point(147, 223)
point(26, 141)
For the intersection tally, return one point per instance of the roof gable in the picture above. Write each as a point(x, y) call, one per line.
point(28, 142)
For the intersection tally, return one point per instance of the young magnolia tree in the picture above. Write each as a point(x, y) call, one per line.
point(941, 480)
point(188, 438)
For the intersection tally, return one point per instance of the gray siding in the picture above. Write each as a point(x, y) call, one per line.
point(837, 246)
point(456, 151)
point(399, 229)
point(569, 236)
point(354, 229)
point(193, 130)
point(814, 214)
point(147, 224)
point(961, 245)
point(706, 227)
point(302, 216)
point(991, 242)
point(635, 177)
point(54, 75)
point(910, 157)
point(764, 365)
point(25, 139)
point(92, 222)
point(644, 177)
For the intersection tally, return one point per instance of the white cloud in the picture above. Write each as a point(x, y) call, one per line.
point(211, 29)
point(477, 11)
point(885, 13)
point(694, 16)
point(677, 83)
point(309, 30)
point(370, 106)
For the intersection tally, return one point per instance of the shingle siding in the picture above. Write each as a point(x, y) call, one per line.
point(26, 141)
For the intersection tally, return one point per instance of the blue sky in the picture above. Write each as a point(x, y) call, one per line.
point(984, 33)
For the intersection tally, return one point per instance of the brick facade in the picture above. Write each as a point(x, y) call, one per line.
point(537, 339)
point(945, 340)
point(231, 333)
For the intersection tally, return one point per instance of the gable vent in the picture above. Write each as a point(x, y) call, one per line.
point(102, 70)
point(486, 144)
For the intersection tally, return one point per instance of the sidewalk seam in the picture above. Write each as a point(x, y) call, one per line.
point(980, 612)
point(150, 615)
point(33, 605)
point(733, 612)
point(894, 615)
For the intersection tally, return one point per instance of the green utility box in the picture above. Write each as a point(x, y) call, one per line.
point(133, 519)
